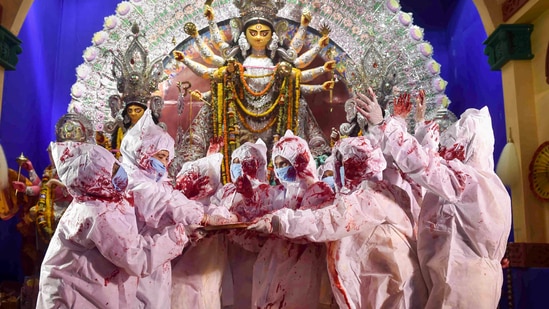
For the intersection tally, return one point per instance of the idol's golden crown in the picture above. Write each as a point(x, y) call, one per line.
point(265, 10)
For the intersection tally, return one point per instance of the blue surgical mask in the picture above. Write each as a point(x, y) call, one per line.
point(342, 175)
point(120, 180)
point(286, 173)
point(236, 171)
point(158, 167)
point(330, 181)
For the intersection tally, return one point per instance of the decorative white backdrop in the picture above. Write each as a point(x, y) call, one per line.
point(374, 40)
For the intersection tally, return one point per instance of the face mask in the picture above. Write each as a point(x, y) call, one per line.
point(330, 181)
point(236, 171)
point(158, 167)
point(286, 173)
point(342, 175)
point(120, 180)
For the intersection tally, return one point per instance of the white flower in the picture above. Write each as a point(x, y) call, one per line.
point(83, 71)
point(416, 33)
point(433, 67)
point(77, 90)
point(74, 107)
point(405, 19)
point(426, 49)
point(99, 38)
point(439, 84)
point(393, 5)
point(90, 53)
point(111, 22)
point(123, 8)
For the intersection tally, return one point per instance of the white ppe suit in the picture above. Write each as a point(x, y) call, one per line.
point(156, 202)
point(96, 254)
point(372, 260)
point(465, 217)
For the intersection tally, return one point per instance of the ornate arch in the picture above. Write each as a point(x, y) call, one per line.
point(374, 39)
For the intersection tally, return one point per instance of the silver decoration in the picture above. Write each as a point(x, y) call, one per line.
point(356, 26)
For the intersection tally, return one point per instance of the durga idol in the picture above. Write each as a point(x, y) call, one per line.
point(256, 85)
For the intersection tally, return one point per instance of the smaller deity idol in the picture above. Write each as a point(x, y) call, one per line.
point(136, 81)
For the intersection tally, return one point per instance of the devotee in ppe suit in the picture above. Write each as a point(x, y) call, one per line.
point(156, 202)
point(249, 165)
point(287, 273)
point(96, 254)
point(368, 230)
point(465, 217)
point(197, 274)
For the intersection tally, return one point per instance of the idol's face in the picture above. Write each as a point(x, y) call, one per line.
point(259, 36)
point(135, 112)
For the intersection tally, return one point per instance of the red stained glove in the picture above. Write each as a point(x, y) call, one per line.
point(402, 105)
point(244, 186)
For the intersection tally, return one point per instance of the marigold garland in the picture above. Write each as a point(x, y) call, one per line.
point(249, 128)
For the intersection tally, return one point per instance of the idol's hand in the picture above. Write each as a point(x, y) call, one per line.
point(216, 145)
point(209, 12)
point(27, 165)
point(329, 66)
point(329, 85)
point(19, 186)
point(179, 56)
point(196, 95)
point(323, 42)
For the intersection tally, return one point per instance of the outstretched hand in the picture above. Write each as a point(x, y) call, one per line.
point(420, 106)
point(369, 107)
point(402, 105)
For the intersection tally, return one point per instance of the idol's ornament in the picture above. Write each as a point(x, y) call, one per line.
point(136, 81)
